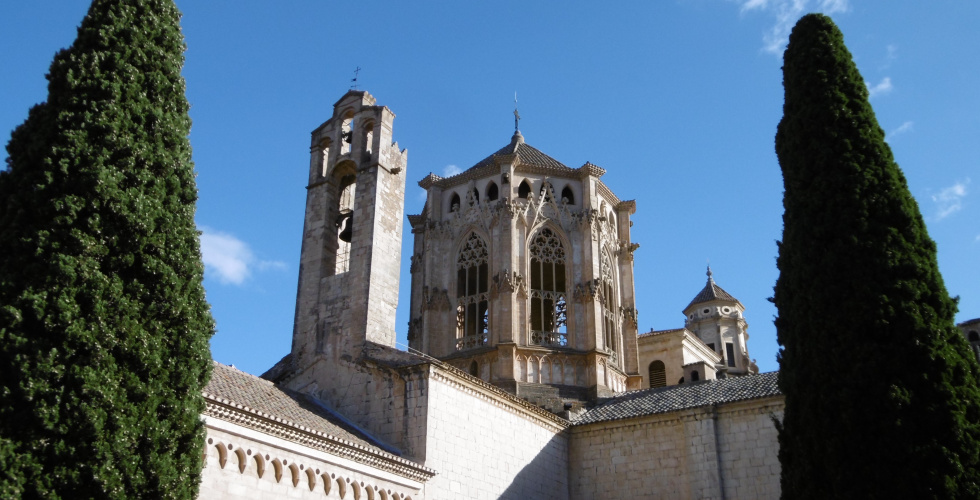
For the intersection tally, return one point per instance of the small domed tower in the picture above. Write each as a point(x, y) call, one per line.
point(716, 317)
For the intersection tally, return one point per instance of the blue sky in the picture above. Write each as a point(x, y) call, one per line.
point(677, 99)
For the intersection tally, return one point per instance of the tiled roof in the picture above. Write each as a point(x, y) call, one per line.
point(711, 291)
point(654, 333)
point(236, 386)
point(681, 397)
point(529, 155)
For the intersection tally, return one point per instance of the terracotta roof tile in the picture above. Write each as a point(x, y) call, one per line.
point(230, 383)
point(681, 397)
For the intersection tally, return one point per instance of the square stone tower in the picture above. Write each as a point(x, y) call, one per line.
point(349, 264)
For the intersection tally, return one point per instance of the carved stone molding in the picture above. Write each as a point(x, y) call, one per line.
point(629, 315)
point(434, 299)
point(414, 328)
point(509, 282)
point(626, 250)
point(588, 291)
point(416, 263)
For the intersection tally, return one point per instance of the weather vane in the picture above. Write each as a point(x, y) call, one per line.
point(353, 82)
point(517, 116)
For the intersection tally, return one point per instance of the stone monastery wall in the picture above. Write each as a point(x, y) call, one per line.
point(728, 451)
point(483, 448)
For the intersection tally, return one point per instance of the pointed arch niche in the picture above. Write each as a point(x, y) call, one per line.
point(472, 293)
point(548, 290)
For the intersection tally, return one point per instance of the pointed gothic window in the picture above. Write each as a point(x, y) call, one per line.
point(454, 203)
point(610, 320)
point(524, 190)
point(548, 288)
point(658, 374)
point(472, 294)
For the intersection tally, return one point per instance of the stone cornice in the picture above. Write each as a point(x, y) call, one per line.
point(229, 411)
point(582, 172)
point(627, 206)
point(607, 193)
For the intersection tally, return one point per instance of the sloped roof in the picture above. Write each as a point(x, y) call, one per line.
point(682, 397)
point(529, 155)
point(711, 291)
point(236, 386)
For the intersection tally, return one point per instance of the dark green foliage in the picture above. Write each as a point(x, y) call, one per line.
point(881, 388)
point(103, 323)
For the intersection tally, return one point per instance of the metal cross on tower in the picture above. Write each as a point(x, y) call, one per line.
point(353, 81)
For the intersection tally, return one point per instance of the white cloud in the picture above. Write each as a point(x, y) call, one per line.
point(230, 258)
point(450, 171)
point(950, 199)
point(903, 128)
point(787, 12)
point(891, 53)
point(883, 87)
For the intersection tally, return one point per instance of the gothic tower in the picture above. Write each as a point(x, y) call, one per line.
point(522, 275)
point(349, 263)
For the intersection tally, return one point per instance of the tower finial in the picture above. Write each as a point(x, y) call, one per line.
point(353, 81)
point(517, 116)
point(709, 274)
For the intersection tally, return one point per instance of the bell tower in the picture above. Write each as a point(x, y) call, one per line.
point(349, 262)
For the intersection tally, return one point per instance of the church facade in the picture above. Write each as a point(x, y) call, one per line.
point(526, 376)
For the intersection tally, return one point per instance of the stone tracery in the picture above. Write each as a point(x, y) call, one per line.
point(549, 309)
point(472, 294)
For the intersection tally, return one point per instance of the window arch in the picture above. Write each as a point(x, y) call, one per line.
point(658, 374)
point(472, 294)
point(323, 156)
point(368, 131)
point(567, 196)
point(524, 189)
point(338, 250)
point(454, 203)
point(347, 132)
point(695, 376)
point(974, 336)
point(610, 320)
point(492, 192)
point(548, 289)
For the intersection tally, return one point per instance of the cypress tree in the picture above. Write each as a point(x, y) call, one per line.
point(881, 389)
point(104, 327)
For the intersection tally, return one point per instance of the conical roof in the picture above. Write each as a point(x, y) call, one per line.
point(711, 291)
point(529, 155)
